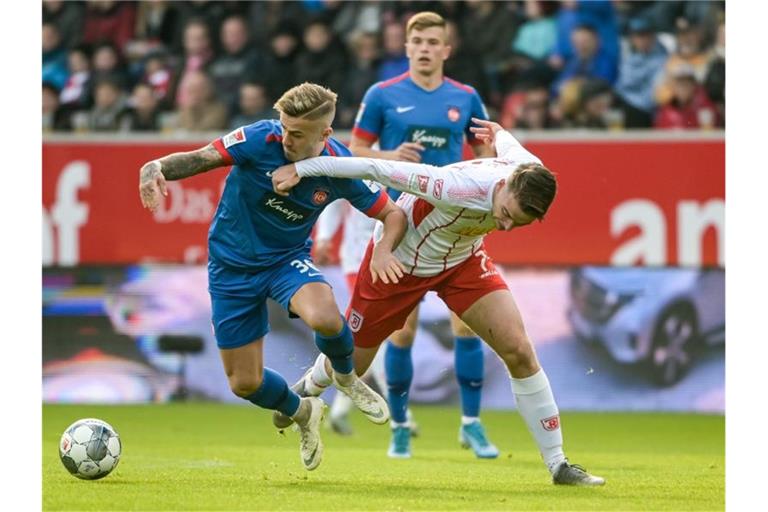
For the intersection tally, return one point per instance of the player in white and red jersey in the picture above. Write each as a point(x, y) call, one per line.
point(450, 210)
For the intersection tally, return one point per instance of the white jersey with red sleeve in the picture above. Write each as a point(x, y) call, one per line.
point(448, 208)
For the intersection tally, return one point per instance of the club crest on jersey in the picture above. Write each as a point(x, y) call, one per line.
point(355, 320)
point(551, 423)
point(320, 196)
point(437, 191)
point(454, 114)
point(232, 138)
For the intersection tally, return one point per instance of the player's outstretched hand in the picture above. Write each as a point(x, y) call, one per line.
point(408, 152)
point(487, 130)
point(284, 179)
point(151, 185)
point(385, 266)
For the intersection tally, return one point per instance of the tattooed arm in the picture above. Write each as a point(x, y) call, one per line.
point(154, 174)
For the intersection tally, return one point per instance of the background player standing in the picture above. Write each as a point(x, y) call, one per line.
point(423, 116)
point(258, 248)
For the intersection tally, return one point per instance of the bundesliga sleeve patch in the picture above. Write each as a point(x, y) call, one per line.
point(235, 137)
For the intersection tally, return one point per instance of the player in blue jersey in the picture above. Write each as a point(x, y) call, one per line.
point(424, 116)
point(259, 248)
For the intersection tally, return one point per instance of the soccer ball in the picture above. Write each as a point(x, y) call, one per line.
point(90, 449)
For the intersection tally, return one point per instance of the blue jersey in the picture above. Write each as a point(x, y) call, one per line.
point(398, 111)
point(253, 227)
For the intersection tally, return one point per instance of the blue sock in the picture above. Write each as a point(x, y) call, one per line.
point(275, 394)
point(398, 366)
point(338, 348)
point(469, 372)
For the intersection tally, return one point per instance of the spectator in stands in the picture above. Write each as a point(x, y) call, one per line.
point(488, 29)
point(690, 108)
point(323, 59)
point(53, 120)
point(142, 114)
point(714, 82)
point(394, 61)
point(595, 101)
point(588, 60)
point(107, 63)
point(76, 93)
point(537, 36)
point(528, 109)
point(109, 21)
point(254, 105)
point(267, 18)
point(354, 18)
point(54, 56)
point(158, 27)
point(361, 73)
point(641, 67)
point(157, 73)
point(598, 14)
point(690, 54)
point(462, 64)
point(198, 53)
point(200, 110)
point(108, 105)
point(237, 62)
point(280, 66)
point(68, 18)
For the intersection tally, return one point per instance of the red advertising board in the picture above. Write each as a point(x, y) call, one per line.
point(620, 202)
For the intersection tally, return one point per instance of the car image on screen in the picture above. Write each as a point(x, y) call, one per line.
point(656, 317)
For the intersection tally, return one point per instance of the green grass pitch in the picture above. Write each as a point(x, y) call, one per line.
point(224, 457)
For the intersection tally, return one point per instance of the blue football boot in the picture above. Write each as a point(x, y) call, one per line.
point(473, 435)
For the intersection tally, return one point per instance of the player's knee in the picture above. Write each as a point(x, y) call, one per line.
point(244, 385)
point(518, 354)
point(325, 320)
point(404, 337)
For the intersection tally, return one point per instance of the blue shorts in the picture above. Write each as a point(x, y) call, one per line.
point(239, 298)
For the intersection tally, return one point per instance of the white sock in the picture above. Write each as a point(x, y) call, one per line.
point(377, 371)
point(341, 406)
point(394, 424)
point(466, 420)
point(537, 406)
point(318, 378)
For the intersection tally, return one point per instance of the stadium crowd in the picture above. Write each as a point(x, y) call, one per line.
point(210, 65)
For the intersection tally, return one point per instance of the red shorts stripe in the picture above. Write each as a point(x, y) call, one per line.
point(377, 310)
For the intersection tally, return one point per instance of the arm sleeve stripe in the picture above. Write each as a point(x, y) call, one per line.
point(223, 152)
point(364, 134)
point(377, 206)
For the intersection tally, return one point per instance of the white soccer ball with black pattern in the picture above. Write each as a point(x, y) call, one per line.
point(90, 449)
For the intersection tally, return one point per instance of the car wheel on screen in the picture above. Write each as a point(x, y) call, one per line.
point(673, 340)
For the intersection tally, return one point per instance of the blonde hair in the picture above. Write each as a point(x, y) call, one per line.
point(309, 101)
point(424, 20)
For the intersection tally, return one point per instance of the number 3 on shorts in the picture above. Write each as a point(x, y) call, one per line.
point(305, 266)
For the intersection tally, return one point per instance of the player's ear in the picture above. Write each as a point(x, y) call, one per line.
point(327, 132)
point(447, 51)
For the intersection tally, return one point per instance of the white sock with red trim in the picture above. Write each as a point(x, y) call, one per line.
point(318, 378)
point(537, 406)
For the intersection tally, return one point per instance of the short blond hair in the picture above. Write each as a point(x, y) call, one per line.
point(309, 101)
point(424, 20)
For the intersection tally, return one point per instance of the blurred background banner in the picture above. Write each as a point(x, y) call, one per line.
point(610, 338)
point(653, 200)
